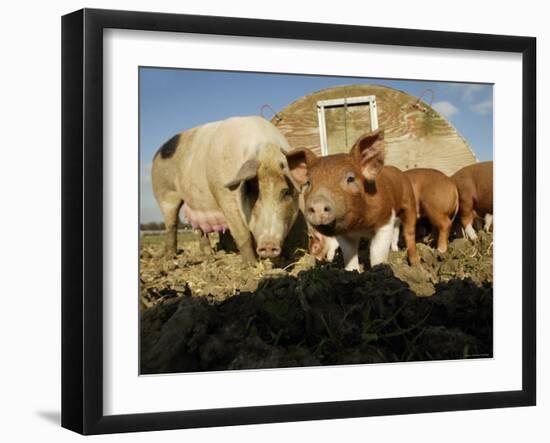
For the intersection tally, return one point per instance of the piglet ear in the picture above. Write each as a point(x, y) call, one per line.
point(299, 162)
point(248, 170)
point(370, 150)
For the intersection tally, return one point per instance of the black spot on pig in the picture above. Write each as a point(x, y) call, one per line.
point(168, 149)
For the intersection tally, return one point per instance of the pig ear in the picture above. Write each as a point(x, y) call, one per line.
point(248, 170)
point(299, 161)
point(370, 151)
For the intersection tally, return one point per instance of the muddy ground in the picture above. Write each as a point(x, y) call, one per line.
point(203, 312)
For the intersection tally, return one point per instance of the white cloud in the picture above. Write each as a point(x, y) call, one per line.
point(445, 108)
point(483, 107)
point(468, 91)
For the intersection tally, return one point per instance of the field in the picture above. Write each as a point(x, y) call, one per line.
point(204, 312)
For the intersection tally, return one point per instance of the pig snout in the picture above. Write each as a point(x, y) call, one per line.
point(320, 210)
point(268, 249)
point(315, 247)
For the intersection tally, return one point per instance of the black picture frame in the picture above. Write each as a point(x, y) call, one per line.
point(82, 220)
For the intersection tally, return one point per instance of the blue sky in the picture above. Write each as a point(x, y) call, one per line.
point(173, 100)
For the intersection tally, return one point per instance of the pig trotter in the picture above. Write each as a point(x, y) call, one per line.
point(204, 244)
point(171, 240)
point(247, 252)
point(170, 206)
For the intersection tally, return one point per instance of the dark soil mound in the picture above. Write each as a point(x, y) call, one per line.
point(213, 313)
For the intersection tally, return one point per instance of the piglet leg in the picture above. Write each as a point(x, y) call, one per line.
point(488, 222)
point(349, 245)
point(409, 232)
point(395, 235)
point(332, 248)
point(381, 242)
point(467, 218)
point(444, 230)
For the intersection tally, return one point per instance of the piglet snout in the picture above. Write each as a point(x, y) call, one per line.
point(268, 249)
point(320, 211)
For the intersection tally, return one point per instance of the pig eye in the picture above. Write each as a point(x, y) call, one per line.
point(286, 193)
point(350, 177)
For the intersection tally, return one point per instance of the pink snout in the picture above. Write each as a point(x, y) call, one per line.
point(320, 211)
point(268, 249)
point(316, 247)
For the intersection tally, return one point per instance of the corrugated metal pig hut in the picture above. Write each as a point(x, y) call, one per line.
point(330, 120)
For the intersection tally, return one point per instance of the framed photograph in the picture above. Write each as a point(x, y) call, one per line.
point(269, 221)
